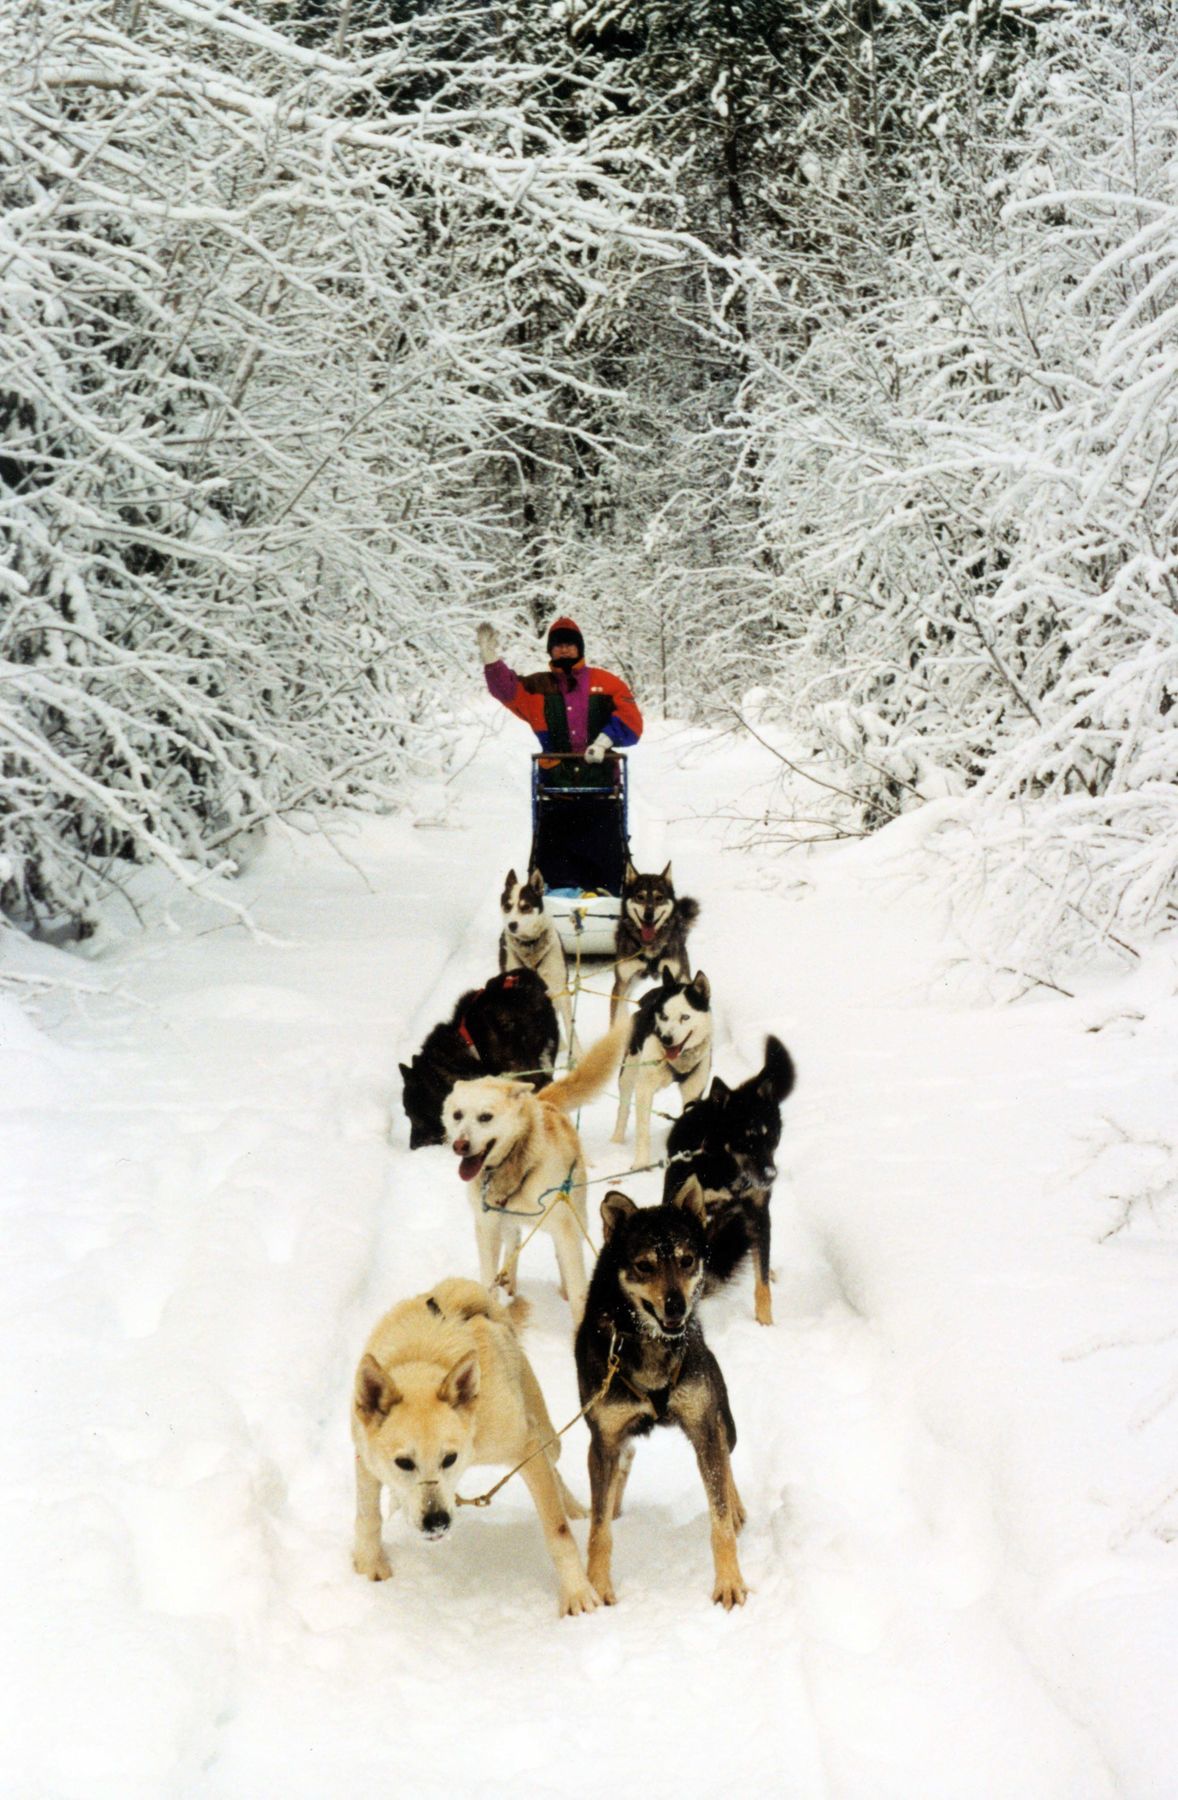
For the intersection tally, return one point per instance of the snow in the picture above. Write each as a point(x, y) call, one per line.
point(955, 1444)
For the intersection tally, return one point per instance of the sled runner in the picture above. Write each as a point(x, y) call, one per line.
point(580, 844)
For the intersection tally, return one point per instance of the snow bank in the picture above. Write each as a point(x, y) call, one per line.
point(951, 1444)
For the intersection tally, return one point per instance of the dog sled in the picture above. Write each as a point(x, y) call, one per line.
point(581, 844)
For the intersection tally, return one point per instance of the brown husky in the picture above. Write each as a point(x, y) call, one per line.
point(443, 1383)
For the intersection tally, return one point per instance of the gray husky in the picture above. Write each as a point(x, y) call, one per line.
point(652, 932)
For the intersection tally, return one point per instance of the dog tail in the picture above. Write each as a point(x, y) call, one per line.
point(458, 1298)
point(599, 1062)
point(688, 910)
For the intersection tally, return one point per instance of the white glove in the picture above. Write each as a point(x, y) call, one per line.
point(488, 643)
point(595, 752)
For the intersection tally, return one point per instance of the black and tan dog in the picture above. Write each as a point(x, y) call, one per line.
point(641, 1311)
point(507, 1026)
point(652, 932)
point(727, 1142)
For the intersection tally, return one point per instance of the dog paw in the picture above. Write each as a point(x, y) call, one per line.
point(730, 1593)
point(574, 1601)
point(376, 1568)
point(604, 1587)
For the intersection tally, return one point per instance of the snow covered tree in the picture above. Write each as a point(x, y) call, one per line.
point(266, 354)
point(969, 488)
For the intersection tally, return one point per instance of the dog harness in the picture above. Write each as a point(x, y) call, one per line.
point(509, 982)
point(657, 1398)
point(495, 1206)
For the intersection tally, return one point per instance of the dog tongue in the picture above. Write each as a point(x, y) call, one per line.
point(671, 1051)
point(469, 1167)
point(648, 934)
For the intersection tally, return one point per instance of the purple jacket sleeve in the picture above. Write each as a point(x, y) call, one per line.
point(501, 681)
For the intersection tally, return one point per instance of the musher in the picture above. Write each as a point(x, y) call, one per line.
point(581, 713)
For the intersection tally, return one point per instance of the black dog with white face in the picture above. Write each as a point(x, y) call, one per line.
point(727, 1142)
point(641, 1311)
point(505, 1028)
point(670, 1043)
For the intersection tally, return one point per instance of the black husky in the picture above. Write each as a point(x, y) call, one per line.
point(507, 1026)
point(642, 1361)
point(652, 932)
point(727, 1142)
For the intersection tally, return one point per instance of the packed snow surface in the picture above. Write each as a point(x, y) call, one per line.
point(955, 1444)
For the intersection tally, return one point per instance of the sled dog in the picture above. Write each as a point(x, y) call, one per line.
point(530, 941)
point(642, 1306)
point(522, 1157)
point(726, 1141)
point(443, 1383)
point(670, 1041)
point(509, 1024)
point(652, 932)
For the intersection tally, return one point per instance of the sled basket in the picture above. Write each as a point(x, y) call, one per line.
point(580, 844)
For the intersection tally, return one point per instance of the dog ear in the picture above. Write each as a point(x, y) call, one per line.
point(701, 988)
point(669, 981)
point(614, 1208)
point(509, 883)
point(406, 1071)
point(777, 1077)
point(629, 874)
point(719, 1091)
point(376, 1392)
point(690, 1199)
point(536, 880)
point(461, 1386)
point(666, 876)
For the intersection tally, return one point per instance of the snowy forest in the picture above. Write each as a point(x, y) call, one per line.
point(821, 353)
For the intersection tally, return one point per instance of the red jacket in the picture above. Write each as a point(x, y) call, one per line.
point(564, 718)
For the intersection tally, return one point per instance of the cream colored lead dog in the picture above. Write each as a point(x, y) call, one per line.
point(443, 1383)
point(519, 1153)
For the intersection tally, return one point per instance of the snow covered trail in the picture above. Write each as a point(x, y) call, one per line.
point(206, 1215)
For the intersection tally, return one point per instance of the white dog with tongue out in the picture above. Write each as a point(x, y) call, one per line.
point(524, 1162)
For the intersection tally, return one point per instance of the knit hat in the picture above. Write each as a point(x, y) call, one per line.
point(567, 631)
